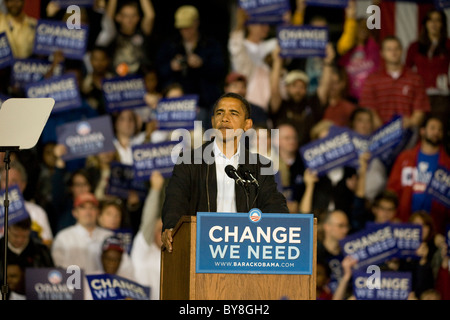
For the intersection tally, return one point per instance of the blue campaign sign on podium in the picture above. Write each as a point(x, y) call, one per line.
point(254, 242)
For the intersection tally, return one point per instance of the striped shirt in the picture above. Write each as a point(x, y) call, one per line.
point(389, 96)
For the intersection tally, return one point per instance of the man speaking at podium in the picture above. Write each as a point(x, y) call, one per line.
point(224, 176)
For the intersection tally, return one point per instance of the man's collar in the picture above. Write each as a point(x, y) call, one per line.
point(219, 153)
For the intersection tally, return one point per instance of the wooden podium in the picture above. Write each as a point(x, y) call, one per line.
point(179, 281)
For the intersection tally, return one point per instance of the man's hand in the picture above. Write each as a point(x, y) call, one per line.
point(166, 239)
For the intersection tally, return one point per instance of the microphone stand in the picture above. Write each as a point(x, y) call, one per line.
point(7, 161)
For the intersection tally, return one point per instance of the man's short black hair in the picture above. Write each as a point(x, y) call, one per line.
point(245, 104)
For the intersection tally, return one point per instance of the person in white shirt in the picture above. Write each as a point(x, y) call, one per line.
point(146, 250)
point(127, 134)
point(81, 244)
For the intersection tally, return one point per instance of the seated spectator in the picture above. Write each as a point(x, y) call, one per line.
point(112, 253)
point(111, 214)
point(16, 282)
point(24, 249)
point(81, 244)
point(334, 228)
point(413, 170)
point(382, 210)
point(323, 292)
point(17, 175)
point(66, 186)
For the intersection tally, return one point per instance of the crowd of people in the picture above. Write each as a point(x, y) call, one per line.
point(360, 84)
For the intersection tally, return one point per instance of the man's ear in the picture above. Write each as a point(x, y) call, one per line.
point(248, 124)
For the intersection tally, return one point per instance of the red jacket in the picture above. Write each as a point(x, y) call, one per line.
point(401, 181)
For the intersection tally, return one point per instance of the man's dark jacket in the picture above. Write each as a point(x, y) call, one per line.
point(188, 193)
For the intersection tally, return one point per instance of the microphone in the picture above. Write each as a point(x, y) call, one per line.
point(248, 175)
point(232, 173)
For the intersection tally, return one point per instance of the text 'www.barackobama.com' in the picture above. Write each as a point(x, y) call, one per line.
point(254, 264)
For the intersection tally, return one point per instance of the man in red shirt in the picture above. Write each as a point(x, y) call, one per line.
point(395, 89)
point(413, 170)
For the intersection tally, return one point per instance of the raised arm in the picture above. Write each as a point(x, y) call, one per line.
point(149, 16)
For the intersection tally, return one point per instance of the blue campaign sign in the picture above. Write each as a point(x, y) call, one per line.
point(53, 284)
point(264, 7)
point(254, 242)
point(265, 11)
point(408, 237)
point(124, 93)
point(26, 71)
point(3, 98)
point(176, 113)
point(80, 3)
point(54, 36)
point(384, 140)
point(302, 41)
point(439, 186)
point(121, 182)
point(86, 137)
point(154, 156)
point(112, 287)
point(335, 150)
point(6, 56)
point(328, 3)
point(16, 209)
point(373, 245)
point(63, 89)
point(391, 286)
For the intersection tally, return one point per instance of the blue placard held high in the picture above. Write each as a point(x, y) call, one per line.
point(149, 157)
point(176, 113)
point(124, 93)
point(63, 89)
point(328, 3)
point(6, 56)
point(254, 242)
point(302, 41)
point(52, 36)
point(86, 137)
point(335, 150)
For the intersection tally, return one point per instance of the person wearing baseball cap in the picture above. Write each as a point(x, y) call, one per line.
point(81, 243)
point(296, 106)
point(186, 17)
point(112, 251)
point(196, 61)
